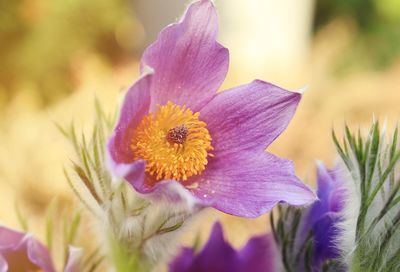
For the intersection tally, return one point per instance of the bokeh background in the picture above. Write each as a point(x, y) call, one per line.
point(56, 56)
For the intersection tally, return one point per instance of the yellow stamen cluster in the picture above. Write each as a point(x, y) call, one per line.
point(173, 141)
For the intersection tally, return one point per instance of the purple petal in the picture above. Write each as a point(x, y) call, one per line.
point(323, 217)
point(259, 254)
point(3, 265)
point(135, 107)
point(39, 255)
point(74, 260)
point(169, 191)
point(249, 184)
point(331, 194)
point(21, 252)
point(249, 116)
point(181, 263)
point(219, 256)
point(133, 172)
point(10, 239)
point(325, 237)
point(188, 63)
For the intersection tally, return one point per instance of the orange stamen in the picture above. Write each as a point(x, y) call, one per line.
point(174, 143)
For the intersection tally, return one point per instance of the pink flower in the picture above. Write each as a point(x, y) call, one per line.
point(21, 252)
point(175, 127)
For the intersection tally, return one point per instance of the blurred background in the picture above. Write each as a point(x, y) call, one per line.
point(56, 56)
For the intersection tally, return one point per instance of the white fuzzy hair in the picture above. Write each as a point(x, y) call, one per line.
point(347, 243)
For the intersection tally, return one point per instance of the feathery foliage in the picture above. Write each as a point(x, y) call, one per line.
point(373, 162)
point(372, 198)
point(138, 231)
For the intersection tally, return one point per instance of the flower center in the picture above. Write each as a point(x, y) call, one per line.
point(173, 141)
point(178, 134)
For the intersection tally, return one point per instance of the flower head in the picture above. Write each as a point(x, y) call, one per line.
point(310, 238)
point(21, 252)
point(175, 127)
point(324, 216)
point(219, 256)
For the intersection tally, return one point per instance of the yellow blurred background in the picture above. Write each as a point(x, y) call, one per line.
point(56, 56)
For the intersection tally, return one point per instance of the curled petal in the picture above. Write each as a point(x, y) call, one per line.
point(249, 184)
point(169, 191)
point(74, 260)
point(324, 216)
point(39, 255)
point(135, 107)
point(331, 188)
point(189, 65)
point(21, 252)
point(249, 116)
point(132, 172)
point(331, 196)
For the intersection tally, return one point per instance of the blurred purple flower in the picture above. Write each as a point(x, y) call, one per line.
point(175, 127)
point(74, 261)
point(21, 252)
point(219, 256)
point(324, 216)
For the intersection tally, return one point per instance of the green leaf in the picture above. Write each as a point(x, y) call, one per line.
point(170, 228)
point(62, 130)
point(126, 260)
point(308, 256)
point(342, 153)
point(78, 195)
point(87, 182)
point(50, 224)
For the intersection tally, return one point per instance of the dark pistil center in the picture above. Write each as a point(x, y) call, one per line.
point(177, 135)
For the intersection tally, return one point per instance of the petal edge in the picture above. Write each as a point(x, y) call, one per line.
point(189, 64)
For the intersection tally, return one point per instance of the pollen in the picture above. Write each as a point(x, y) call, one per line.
point(173, 141)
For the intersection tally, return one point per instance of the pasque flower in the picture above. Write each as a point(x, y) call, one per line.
point(310, 238)
point(324, 216)
point(259, 254)
point(21, 252)
point(175, 127)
